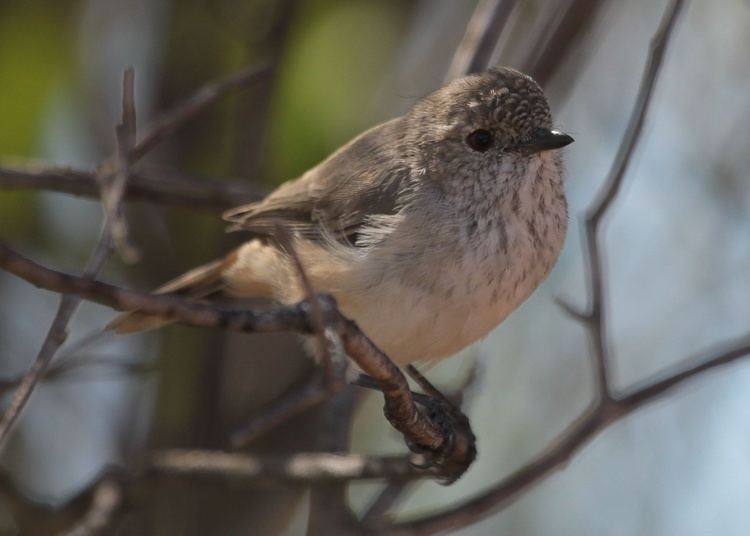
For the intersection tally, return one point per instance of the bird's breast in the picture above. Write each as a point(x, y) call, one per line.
point(431, 302)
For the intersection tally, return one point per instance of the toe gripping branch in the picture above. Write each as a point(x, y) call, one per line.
point(433, 426)
point(458, 451)
point(447, 459)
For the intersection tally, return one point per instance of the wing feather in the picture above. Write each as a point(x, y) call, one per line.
point(336, 197)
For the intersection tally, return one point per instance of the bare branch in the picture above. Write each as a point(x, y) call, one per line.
point(105, 502)
point(480, 38)
point(179, 192)
point(113, 187)
point(384, 501)
point(402, 411)
point(305, 467)
point(559, 37)
point(731, 352)
point(399, 403)
point(55, 338)
point(595, 318)
point(394, 489)
point(567, 445)
point(292, 318)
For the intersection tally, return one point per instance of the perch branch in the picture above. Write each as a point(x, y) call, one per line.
point(394, 489)
point(144, 185)
point(404, 414)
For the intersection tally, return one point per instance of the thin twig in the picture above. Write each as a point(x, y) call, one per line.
point(113, 187)
point(384, 501)
point(596, 320)
point(480, 38)
point(559, 37)
point(165, 187)
point(295, 402)
point(286, 243)
point(55, 338)
point(197, 102)
point(562, 449)
point(58, 331)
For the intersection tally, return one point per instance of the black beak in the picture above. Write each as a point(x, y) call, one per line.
point(545, 140)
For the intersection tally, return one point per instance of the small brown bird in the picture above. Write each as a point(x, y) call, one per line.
point(428, 229)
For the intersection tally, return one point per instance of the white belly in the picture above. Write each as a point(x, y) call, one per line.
point(447, 303)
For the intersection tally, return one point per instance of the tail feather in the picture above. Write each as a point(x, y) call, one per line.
point(196, 284)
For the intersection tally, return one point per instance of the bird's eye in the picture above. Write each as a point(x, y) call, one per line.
point(480, 140)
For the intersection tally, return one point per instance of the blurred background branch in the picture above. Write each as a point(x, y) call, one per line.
point(480, 38)
point(112, 233)
point(155, 186)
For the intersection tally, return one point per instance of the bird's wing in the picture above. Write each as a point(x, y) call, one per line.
point(335, 198)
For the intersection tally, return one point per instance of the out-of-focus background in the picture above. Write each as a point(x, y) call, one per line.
point(677, 251)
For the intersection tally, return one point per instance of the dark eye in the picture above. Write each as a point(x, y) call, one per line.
point(480, 140)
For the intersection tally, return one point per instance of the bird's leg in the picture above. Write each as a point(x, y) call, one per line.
point(459, 449)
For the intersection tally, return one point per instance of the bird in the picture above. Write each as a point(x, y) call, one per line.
point(428, 229)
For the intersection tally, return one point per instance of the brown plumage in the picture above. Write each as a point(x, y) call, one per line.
point(428, 229)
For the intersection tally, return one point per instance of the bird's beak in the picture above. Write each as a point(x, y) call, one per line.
point(545, 140)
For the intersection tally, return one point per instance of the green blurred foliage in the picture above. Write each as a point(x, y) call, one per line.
point(336, 59)
point(36, 60)
point(203, 44)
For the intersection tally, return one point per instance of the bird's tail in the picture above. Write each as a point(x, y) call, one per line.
point(201, 282)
